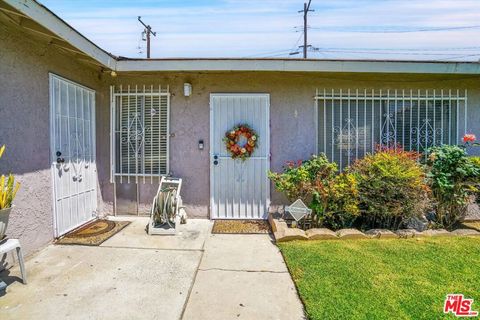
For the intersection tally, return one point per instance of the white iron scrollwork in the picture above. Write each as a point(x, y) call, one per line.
point(426, 135)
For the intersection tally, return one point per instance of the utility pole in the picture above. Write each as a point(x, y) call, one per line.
point(148, 31)
point(306, 10)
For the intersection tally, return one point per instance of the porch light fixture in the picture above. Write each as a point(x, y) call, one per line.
point(187, 89)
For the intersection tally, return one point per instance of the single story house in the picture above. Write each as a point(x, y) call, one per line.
point(89, 133)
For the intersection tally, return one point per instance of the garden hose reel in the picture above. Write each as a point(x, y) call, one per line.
point(167, 211)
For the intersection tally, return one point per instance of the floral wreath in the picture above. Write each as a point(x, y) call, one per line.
point(233, 138)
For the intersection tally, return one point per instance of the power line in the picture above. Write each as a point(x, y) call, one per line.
point(286, 51)
point(405, 49)
point(385, 52)
point(278, 52)
point(445, 57)
point(424, 29)
point(464, 56)
point(293, 51)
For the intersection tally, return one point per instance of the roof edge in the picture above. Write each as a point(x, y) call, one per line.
point(46, 18)
point(298, 65)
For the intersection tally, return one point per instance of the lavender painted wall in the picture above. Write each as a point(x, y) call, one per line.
point(24, 116)
point(25, 126)
point(291, 114)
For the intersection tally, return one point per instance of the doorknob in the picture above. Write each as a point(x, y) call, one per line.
point(215, 162)
point(60, 160)
point(215, 157)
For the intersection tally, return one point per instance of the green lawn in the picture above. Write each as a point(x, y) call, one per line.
point(383, 279)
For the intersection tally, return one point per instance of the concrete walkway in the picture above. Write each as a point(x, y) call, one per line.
point(243, 277)
point(194, 275)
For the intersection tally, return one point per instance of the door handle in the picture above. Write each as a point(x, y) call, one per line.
point(215, 162)
point(59, 159)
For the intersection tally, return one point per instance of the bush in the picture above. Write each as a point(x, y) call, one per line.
point(336, 202)
point(391, 186)
point(331, 196)
point(452, 178)
point(298, 179)
point(476, 162)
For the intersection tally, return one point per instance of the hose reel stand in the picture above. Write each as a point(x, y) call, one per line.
point(167, 209)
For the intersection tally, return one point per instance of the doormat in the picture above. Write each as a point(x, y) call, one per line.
point(241, 227)
point(94, 233)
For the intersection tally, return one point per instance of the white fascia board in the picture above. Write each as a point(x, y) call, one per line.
point(47, 19)
point(298, 66)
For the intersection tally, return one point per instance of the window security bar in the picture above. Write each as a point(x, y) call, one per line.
point(139, 132)
point(351, 123)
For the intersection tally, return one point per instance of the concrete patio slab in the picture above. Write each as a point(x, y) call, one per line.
point(191, 236)
point(76, 282)
point(243, 277)
point(242, 252)
point(243, 295)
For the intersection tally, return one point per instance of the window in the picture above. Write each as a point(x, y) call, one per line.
point(353, 123)
point(140, 139)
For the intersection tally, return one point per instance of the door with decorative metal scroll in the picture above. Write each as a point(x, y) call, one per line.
point(239, 189)
point(74, 171)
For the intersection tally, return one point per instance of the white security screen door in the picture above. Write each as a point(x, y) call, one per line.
point(239, 189)
point(74, 171)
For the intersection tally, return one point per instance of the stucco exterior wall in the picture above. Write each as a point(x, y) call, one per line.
point(292, 118)
point(25, 126)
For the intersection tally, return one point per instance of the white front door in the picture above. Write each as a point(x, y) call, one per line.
point(74, 172)
point(239, 189)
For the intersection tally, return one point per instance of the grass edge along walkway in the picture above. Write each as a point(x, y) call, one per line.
point(383, 279)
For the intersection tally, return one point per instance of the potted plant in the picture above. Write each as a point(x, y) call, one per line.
point(8, 190)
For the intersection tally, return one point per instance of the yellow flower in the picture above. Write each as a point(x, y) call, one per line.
point(243, 150)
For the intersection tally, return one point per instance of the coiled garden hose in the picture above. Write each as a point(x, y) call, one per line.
point(165, 207)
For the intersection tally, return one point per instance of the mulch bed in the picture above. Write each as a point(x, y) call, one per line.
point(241, 227)
point(94, 233)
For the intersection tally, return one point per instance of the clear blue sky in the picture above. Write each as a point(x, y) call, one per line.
point(372, 29)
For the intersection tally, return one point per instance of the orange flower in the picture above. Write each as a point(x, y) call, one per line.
point(469, 138)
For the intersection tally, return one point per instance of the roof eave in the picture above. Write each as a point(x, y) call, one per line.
point(289, 65)
point(56, 25)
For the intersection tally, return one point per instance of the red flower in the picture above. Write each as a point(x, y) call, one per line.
point(469, 138)
point(290, 164)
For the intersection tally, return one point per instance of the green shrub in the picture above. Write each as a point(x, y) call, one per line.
point(391, 187)
point(298, 179)
point(452, 178)
point(331, 196)
point(476, 162)
point(336, 201)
